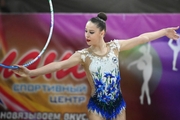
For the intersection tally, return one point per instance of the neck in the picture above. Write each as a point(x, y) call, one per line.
point(101, 48)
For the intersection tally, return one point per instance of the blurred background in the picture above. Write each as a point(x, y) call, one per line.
point(92, 6)
point(150, 73)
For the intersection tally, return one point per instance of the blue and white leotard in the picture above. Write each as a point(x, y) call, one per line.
point(104, 77)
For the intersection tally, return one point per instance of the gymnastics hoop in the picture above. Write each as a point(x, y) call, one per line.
point(45, 46)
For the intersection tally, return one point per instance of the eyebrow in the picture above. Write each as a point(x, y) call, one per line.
point(90, 30)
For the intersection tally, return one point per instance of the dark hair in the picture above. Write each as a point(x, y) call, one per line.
point(100, 21)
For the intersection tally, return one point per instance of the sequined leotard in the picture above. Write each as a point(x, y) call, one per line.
point(104, 77)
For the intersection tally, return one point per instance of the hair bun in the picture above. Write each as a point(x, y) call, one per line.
point(102, 16)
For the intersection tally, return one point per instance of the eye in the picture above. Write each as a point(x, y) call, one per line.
point(91, 32)
point(85, 31)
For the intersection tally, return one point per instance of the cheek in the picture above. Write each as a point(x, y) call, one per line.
point(94, 37)
point(85, 34)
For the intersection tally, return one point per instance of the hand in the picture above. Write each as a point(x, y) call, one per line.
point(22, 71)
point(171, 33)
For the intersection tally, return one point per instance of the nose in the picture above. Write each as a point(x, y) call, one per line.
point(86, 35)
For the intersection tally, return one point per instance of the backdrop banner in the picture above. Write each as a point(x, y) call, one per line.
point(150, 72)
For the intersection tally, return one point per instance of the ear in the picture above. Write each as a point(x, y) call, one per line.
point(102, 33)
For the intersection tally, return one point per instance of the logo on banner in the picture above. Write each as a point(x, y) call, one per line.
point(175, 46)
point(143, 60)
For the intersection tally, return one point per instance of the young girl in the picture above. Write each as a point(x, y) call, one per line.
point(101, 63)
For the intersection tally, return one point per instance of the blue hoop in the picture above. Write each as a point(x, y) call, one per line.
point(48, 40)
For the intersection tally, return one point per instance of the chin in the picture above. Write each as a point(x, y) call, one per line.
point(88, 43)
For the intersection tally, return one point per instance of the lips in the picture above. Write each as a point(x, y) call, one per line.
point(88, 40)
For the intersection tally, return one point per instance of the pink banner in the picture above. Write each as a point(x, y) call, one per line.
point(64, 94)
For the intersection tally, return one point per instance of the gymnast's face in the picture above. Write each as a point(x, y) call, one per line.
point(93, 34)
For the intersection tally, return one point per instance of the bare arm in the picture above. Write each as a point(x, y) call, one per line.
point(149, 36)
point(51, 67)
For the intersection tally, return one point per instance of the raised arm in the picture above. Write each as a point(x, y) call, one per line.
point(149, 36)
point(51, 67)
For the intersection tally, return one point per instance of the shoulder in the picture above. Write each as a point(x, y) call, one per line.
point(83, 53)
point(114, 44)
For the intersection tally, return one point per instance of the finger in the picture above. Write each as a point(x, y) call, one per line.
point(175, 28)
point(20, 67)
point(176, 37)
point(16, 66)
